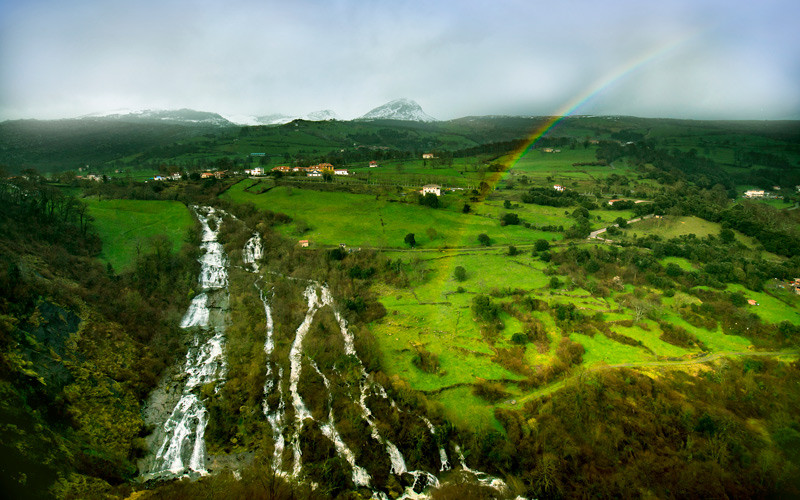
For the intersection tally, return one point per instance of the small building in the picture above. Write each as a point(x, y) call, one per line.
point(257, 171)
point(282, 168)
point(340, 171)
point(314, 174)
point(427, 156)
point(176, 176)
point(611, 202)
point(559, 188)
point(220, 174)
point(159, 178)
point(432, 188)
point(547, 150)
point(373, 164)
point(303, 243)
point(752, 302)
point(754, 193)
point(206, 175)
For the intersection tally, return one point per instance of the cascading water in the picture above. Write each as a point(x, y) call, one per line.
point(182, 449)
point(317, 296)
point(360, 475)
point(253, 251)
point(445, 464)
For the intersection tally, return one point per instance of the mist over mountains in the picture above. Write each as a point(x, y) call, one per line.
point(399, 109)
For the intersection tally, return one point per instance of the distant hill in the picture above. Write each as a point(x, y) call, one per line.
point(399, 109)
point(177, 116)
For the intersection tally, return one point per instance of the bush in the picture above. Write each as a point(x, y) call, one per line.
point(484, 239)
point(512, 250)
point(490, 391)
point(426, 360)
point(509, 219)
point(460, 273)
point(541, 245)
point(519, 338)
point(484, 309)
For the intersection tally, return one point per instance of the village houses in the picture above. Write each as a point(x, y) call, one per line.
point(432, 188)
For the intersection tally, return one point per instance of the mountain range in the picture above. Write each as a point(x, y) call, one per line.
point(398, 109)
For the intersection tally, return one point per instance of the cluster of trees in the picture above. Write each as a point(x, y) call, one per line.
point(551, 198)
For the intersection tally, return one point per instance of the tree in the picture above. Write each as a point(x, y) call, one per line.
point(541, 245)
point(507, 204)
point(727, 235)
point(429, 200)
point(622, 223)
point(509, 219)
point(484, 239)
point(512, 250)
point(410, 241)
point(460, 273)
point(466, 208)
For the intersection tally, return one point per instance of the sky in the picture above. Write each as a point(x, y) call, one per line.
point(704, 59)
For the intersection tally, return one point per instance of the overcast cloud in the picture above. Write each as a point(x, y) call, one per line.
point(715, 59)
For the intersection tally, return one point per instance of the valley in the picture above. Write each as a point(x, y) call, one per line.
point(276, 336)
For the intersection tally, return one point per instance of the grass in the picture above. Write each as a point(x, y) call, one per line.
point(125, 225)
point(379, 221)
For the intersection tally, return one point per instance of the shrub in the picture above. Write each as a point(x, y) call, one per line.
point(490, 391)
point(484, 239)
point(460, 273)
point(426, 360)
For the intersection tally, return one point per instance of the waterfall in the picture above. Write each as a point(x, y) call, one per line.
point(295, 365)
point(253, 251)
point(445, 464)
point(182, 450)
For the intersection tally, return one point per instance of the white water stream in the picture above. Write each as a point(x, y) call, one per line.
point(182, 450)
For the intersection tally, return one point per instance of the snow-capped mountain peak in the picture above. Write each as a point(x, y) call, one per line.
point(182, 116)
point(399, 109)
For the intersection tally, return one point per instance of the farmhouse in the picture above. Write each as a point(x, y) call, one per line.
point(754, 193)
point(373, 164)
point(206, 175)
point(176, 176)
point(432, 188)
point(427, 156)
point(341, 171)
point(159, 178)
point(314, 173)
point(320, 167)
point(559, 188)
point(282, 168)
point(303, 243)
point(257, 171)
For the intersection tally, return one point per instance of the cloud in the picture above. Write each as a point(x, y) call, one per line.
point(60, 59)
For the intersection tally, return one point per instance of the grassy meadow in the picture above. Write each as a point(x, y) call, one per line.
point(362, 220)
point(435, 315)
point(126, 225)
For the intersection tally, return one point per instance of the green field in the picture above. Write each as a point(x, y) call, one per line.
point(125, 226)
point(371, 221)
point(435, 315)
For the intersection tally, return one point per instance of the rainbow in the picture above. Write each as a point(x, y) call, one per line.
point(609, 80)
